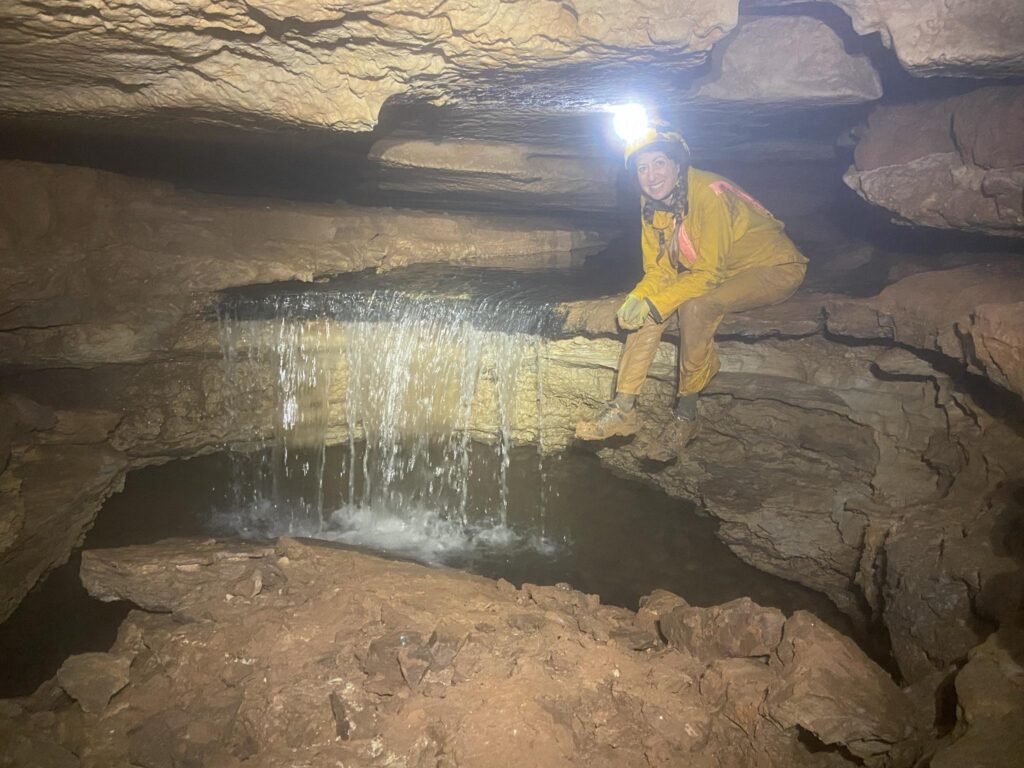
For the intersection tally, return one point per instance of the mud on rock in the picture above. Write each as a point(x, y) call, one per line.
point(302, 654)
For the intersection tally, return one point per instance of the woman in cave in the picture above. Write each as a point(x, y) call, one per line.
point(709, 249)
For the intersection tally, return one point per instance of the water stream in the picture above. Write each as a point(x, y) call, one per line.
point(397, 410)
point(421, 376)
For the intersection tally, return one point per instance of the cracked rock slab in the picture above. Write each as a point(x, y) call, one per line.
point(829, 688)
point(951, 164)
point(937, 37)
point(92, 679)
point(970, 314)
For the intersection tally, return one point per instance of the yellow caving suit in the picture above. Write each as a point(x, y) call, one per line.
point(733, 256)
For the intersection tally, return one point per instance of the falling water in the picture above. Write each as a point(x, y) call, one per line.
point(422, 380)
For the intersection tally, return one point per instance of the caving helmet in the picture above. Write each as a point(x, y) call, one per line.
point(662, 137)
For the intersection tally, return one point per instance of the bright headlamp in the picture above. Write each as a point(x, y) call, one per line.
point(630, 121)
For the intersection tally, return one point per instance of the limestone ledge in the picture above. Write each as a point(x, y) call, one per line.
point(101, 268)
point(972, 315)
point(956, 163)
point(824, 459)
point(528, 175)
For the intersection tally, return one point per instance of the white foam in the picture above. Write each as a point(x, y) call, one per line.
point(416, 532)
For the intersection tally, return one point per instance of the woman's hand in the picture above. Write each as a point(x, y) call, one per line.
point(632, 314)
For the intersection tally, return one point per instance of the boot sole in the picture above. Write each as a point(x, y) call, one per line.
point(584, 432)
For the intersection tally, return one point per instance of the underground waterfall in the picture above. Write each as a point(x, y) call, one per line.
point(501, 384)
point(421, 377)
point(407, 419)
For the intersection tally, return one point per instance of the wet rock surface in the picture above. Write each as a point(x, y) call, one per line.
point(906, 474)
point(837, 454)
point(103, 268)
point(344, 657)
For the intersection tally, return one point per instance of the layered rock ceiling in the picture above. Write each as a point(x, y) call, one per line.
point(310, 65)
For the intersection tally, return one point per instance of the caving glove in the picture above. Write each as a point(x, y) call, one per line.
point(632, 313)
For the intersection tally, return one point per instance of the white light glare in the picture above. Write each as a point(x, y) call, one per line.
point(630, 121)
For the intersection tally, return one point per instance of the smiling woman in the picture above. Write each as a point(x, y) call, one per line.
point(709, 249)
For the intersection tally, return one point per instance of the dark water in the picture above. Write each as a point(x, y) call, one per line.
point(604, 535)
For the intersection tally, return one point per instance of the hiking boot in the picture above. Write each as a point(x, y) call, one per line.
point(671, 441)
point(611, 421)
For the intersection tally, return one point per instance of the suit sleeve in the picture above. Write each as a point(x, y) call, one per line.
point(711, 222)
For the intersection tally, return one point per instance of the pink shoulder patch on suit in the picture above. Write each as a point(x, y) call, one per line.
point(722, 186)
point(686, 249)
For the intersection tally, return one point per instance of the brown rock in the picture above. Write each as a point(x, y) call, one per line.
point(990, 706)
point(325, 686)
point(505, 173)
point(23, 751)
point(951, 164)
point(900, 134)
point(738, 629)
point(934, 37)
point(174, 584)
point(92, 679)
point(970, 314)
point(316, 66)
point(828, 686)
point(793, 61)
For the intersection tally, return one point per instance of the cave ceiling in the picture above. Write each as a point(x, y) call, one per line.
point(527, 71)
point(307, 89)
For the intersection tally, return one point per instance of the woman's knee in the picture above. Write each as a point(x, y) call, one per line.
point(701, 310)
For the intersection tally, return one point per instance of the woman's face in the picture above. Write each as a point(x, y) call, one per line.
point(657, 173)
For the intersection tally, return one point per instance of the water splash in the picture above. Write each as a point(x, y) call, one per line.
point(420, 381)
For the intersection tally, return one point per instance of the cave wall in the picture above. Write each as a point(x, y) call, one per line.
point(839, 430)
point(855, 444)
point(956, 163)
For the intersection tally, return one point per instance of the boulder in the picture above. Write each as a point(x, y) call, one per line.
point(353, 658)
point(828, 686)
point(92, 679)
point(176, 583)
point(990, 705)
point(738, 629)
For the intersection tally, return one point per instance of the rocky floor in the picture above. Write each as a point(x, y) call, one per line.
point(305, 655)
